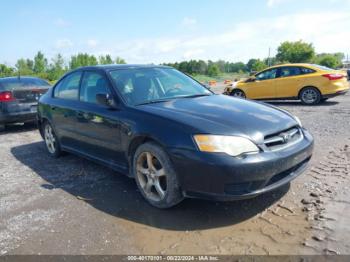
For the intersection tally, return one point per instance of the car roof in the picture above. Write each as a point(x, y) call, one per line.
point(120, 66)
point(294, 64)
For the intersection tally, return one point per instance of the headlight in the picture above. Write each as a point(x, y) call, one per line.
point(298, 120)
point(231, 145)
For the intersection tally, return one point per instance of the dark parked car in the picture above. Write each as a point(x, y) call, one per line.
point(173, 135)
point(19, 98)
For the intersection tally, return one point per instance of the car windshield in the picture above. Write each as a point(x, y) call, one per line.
point(323, 68)
point(150, 85)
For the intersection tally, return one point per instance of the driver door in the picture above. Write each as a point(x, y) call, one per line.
point(98, 125)
point(264, 85)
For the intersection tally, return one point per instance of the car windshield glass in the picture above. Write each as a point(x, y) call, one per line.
point(23, 83)
point(323, 68)
point(150, 85)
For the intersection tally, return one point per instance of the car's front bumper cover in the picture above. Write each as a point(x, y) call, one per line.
point(222, 177)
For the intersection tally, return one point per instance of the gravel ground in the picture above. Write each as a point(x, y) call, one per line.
point(72, 206)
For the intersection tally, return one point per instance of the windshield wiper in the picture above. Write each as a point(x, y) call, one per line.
point(193, 96)
point(170, 98)
point(153, 102)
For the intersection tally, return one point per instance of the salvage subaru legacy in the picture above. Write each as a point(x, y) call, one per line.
point(172, 135)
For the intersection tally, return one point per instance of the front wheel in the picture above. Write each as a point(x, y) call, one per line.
point(51, 140)
point(238, 93)
point(155, 176)
point(310, 96)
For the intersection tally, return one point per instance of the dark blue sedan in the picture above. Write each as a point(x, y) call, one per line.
point(19, 98)
point(173, 135)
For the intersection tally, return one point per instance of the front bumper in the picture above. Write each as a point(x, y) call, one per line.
point(222, 177)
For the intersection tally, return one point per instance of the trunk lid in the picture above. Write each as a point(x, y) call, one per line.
point(28, 94)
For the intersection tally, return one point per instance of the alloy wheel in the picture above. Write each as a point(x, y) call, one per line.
point(152, 176)
point(309, 96)
point(238, 93)
point(50, 139)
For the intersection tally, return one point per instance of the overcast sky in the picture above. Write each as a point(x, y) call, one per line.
point(156, 31)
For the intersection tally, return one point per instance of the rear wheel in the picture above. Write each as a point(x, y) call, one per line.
point(155, 176)
point(310, 96)
point(238, 93)
point(52, 144)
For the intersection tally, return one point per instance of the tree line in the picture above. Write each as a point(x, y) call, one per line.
point(287, 52)
point(40, 67)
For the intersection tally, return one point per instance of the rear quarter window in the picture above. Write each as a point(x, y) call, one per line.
point(305, 70)
point(68, 87)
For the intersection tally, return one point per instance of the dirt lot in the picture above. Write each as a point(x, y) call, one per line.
point(73, 206)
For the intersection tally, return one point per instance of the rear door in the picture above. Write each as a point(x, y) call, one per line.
point(289, 81)
point(264, 85)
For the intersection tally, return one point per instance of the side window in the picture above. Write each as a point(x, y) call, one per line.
point(93, 83)
point(289, 71)
point(268, 74)
point(68, 88)
point(305, 70)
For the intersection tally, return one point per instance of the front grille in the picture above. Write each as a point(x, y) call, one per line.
point(283, 139)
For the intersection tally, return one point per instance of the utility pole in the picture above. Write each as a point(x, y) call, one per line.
point(268, 58)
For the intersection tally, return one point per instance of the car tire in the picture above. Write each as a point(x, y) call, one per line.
point(238, 93)
point(310, 96)
point(51, 141)
point(155, 176)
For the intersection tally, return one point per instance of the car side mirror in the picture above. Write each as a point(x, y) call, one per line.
point(251, 79)
point(105, 100)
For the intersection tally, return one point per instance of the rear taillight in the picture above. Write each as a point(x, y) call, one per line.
point(6, 96)
point(333, 76)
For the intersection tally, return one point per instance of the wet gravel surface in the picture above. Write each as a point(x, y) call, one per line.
point(73, 206)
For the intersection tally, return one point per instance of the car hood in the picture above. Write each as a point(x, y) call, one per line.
point(224, 115)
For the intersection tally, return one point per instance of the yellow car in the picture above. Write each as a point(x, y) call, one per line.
point(310, 83)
